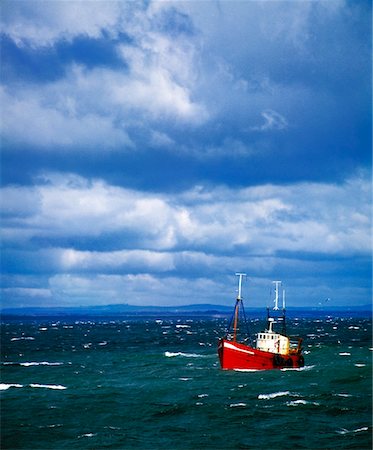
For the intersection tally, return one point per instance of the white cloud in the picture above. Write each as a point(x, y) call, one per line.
point(180, 248)
point(132, 260)
point(27, 121)
point(141, 289)
point(272, 121)
point(308, 217)
point(28, 292)
point(95, 109)
point(42, 23)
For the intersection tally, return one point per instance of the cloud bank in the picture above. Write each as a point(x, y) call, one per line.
point(87, 230)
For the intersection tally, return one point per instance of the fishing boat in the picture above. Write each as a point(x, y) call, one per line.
point(270, 349)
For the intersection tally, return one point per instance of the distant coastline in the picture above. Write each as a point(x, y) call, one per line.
point(122, 310)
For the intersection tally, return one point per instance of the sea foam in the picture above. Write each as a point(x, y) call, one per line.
point(48, 386)
point(4, 387)
point(357, 430)
point(42, 363)
point(275, 394)
point(32, 363)
point(185, 355)
point(297, 369)
point(301, 402)
point(23, 338)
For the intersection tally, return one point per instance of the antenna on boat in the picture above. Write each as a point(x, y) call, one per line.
point(277, 284)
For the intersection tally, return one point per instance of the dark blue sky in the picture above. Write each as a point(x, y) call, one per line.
point(152, 149)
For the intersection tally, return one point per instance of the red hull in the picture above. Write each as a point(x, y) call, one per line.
point(233, 355)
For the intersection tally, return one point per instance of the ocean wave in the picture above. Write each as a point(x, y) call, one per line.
point(357, 430)
point(344, 354)
point(185, 355)
point(4, 387)
point(42, 363)
point(276, 394)
point(247, 370)
point(237, 405)
point(297, 369)
point(33, 363)
point(359, 365)
point(23, 338)
point(87, 435)
point(48, 386)
point(301, 402)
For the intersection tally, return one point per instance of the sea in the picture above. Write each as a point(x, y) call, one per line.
point(155, 383)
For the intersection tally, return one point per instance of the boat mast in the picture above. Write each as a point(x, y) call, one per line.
point(239, 299)
point(240, 275)
point(277, 284)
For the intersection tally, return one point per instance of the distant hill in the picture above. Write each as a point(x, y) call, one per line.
point(184, 310)
point(117, 309)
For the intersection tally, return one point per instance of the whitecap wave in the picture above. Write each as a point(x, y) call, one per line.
point(48, 386)
point(4, 386)
point(359, 365)
point(237, 405)
point(23, 338)
point(301, 402)
point(297, 369)
point(247, 370)
point(276, 394)
point(42, 363)
point(357, 430)
point(344, 354)
point(32, 363)
point(87, 435)
point(297, 402)
point(185, 355)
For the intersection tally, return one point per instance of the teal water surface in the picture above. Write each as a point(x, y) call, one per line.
point(153, 383)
